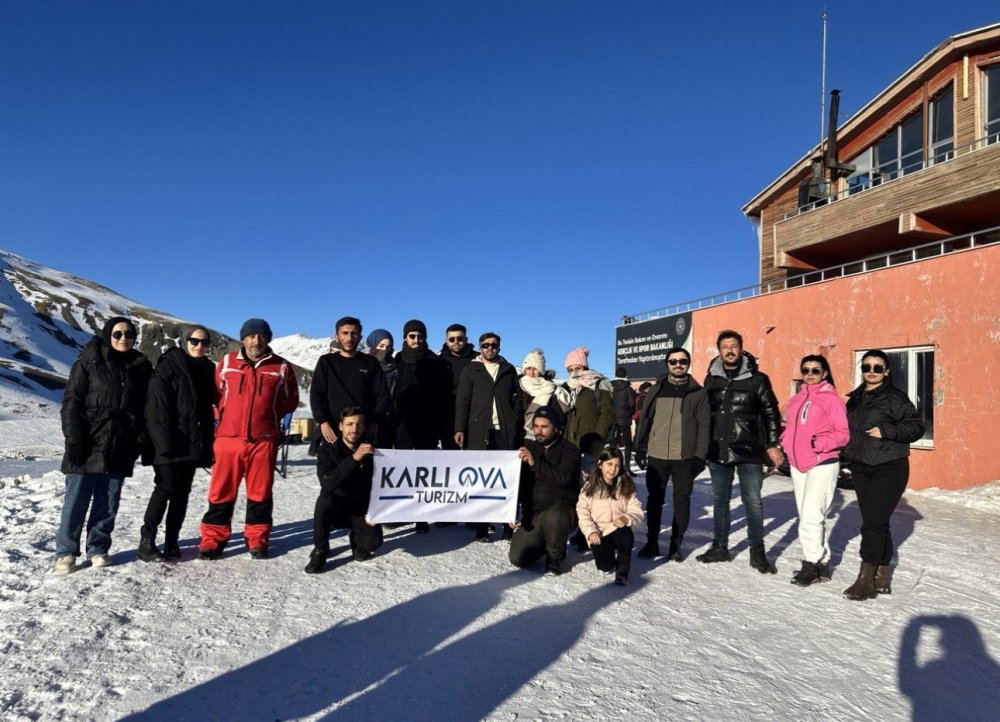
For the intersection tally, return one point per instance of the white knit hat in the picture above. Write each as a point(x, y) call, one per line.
point(534, 360)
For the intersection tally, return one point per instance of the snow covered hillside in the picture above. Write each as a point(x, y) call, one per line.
point(436, 627)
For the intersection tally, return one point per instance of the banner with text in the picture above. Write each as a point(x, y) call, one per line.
point(642, 347)
point(444, 486)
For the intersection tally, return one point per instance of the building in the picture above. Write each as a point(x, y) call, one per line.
point(885, 236)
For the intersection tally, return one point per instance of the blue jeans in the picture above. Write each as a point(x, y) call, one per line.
point(751, 482)
point(105, 491)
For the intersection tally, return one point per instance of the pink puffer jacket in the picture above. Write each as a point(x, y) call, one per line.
point(598, 514)
point(817, 426)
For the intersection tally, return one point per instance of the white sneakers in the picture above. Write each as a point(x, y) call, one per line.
point(100, 560)
point(65, 564)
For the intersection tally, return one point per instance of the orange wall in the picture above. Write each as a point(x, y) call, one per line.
point(951, 303)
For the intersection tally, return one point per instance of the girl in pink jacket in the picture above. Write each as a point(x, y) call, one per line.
point(815, 433)
point(607, 510)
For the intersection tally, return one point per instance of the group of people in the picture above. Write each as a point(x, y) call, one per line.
point(574, 440)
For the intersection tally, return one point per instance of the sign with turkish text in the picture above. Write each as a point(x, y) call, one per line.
point(642, 347)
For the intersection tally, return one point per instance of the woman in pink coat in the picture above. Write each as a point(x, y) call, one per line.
point(607, 510)
point(813, 437)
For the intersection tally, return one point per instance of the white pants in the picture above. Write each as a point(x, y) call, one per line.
point(813, 496)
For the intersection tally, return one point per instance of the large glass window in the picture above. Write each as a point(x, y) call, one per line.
point(911, 370)
point(992, 103)
point(901, 150)
point(861, 178)
point(941, 126)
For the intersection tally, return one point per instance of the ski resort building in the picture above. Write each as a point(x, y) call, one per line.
point(887, 235)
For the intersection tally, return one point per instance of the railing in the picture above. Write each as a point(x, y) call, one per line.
point(863, 265)
point(895, 170)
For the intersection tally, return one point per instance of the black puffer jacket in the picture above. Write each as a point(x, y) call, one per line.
point(623, 400)
point(745, 416)
point(179, 409)
point(424, 400)
point(103, 409)
point(474, 406)
point(893, 413)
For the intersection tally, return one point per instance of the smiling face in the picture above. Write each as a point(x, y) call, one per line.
point(610, 468)
point(122, 336)
point(532, 373)
point(352, 429)
point(199, 349)
point(678, 364)
point(730, 351)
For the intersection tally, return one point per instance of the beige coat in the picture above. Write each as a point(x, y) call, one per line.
point(597, 514)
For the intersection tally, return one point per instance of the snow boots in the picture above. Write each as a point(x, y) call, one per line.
point(171, 550)
point(651, 550)
point(758, 560)
point(148, 551)
point(717, 553)
point(317, 560)
point(65, 564)
point(811, 573)
point(883, 579)
point(864, 586)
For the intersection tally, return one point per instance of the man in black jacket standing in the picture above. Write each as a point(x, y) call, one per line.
point(345, 471)
point(550, 485)
point(458, 353)
point(623, 402)
point(488, 406)
point(348, 378)
point(746, 427)
point(671, 440)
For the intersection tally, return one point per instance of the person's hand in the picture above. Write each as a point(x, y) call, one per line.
point(697, 466)
point(459, 438)
point(514, 524)
point(77, 453)
point(594, 539)
point(362, 451)
point(874, 432)
point(329, 435)
point(776, 456)
point(621, 521)
point(524, 455)
point(641, 460)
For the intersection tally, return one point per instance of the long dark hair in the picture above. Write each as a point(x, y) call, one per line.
point(823, 364)
point(595, 485)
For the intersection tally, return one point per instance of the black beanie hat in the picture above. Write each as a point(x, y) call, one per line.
point(552, 414)
point(415, 326)
point(254, 326)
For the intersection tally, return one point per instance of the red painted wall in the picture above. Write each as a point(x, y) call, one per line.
point(950, 302)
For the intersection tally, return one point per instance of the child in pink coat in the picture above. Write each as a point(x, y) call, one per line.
point(607, 510)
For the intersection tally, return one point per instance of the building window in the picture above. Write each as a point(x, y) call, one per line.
point(861, 178)
point(900, 151)
point(941, 126)
point(992, 103)
point(911, 370)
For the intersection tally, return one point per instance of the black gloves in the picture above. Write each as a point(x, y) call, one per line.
point(77, 453)
point(640, 460)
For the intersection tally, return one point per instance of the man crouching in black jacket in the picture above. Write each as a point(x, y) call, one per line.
point(550, 485)
point(345, 471)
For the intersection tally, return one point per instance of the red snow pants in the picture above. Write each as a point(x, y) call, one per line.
point(236, 459)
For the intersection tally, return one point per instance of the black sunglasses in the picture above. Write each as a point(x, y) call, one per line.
point(416, 335)
point(199, 341)
point(811, 371)
point(456, 339)
point(489, 345)
point(677, 362)
point(117, 335)
point(873, 368)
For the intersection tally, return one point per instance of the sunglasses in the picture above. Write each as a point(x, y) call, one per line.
point(811, 371)
point(456, 339)
point(873, 368)
point(117, 335)
point(415, 335)
point(677, 362)
point(199, 341)
point(489, 345)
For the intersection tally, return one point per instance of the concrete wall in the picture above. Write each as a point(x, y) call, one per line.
point(950, 302)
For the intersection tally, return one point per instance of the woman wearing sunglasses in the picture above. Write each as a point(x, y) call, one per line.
point(102, 423)
point(883, 423)
point(181, 419)
point(815, 433)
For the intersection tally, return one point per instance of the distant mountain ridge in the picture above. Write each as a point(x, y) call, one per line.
point(48, 316)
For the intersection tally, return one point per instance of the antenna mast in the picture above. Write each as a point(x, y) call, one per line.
point(822, 89)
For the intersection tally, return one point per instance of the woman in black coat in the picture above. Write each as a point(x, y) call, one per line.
point(104, 428)
point(883, 423)
point(181, 419)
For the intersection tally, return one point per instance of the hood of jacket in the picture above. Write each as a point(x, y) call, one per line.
point(748, 365)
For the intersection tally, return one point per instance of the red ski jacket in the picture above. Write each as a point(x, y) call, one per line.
point(254, 396)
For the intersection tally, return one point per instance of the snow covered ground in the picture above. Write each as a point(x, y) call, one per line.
point(436, 627)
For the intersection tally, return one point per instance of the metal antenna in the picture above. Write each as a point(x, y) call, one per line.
point(822, 89)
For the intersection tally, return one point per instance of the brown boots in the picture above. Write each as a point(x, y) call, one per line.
point(864, 585)
point(883, 579)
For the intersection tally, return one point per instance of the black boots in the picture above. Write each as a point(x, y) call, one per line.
point(864, 586)
point(317, 560)
point(553, 567)
point(148, 551)
point(717, 553)
point(650, 551)
point(811, 573)
point(758, 560)
point(883, 579)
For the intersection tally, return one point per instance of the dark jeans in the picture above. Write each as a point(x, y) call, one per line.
point(171, 489)
point(614, 553)
point(751, 483)
point(879, 489)
point(344, 512)
point(545, 536)
point(623, 439)
point(658, 472)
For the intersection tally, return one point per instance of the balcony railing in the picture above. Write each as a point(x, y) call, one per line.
point(896, 170)
point(863, 265)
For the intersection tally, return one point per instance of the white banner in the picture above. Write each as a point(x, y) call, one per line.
point(444, 486)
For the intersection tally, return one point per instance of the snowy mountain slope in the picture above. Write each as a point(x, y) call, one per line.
point(47, 316)
point(302, 351)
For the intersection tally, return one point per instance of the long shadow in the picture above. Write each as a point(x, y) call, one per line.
point(470, 677)
point(848, 526)
point(961, 683)
point(315, 673)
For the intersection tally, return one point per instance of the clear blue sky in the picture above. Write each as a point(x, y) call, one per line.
point(539, 168)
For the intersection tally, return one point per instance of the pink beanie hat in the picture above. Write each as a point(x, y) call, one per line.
point(577, 357)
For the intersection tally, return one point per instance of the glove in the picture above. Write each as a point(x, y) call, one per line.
point(697, 466)
point(640, 460)
point(77, 453)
